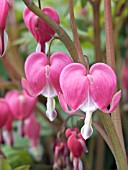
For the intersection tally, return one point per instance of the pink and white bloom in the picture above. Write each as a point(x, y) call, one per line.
point(4, 10)
point(42, 76)
point(21, 104)
point(88, 91)
point(4, 112)
point(32, 130)
point(8, 129)
point(38, 28)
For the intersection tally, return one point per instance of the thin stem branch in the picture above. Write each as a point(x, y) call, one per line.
point(75, 34)
point(63, 36)
point(39, 3)
point(104, 135)
point(110, 57)
point(96, 20)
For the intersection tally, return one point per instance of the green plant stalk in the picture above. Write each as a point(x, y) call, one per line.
point(110, 57)
point(96, 20)
point(75, 34)
point(63, 36)
point(116, 145)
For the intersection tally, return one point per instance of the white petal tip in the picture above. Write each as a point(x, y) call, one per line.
point(52, 115)
point(86, 132)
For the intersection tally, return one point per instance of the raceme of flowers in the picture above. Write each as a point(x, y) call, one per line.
point(55, 75)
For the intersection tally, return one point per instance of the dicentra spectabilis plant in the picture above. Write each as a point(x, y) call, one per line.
point(88, 91)
point(5, 6)
point(42, 76)
point(38, 28)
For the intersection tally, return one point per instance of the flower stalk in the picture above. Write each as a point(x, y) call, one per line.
point(110, 58)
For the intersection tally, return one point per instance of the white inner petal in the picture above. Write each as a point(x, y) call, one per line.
point(51, 112)
point(88, 105)
point(49, 90)
point(87, 130)
point(5, 42)
point(38, 48)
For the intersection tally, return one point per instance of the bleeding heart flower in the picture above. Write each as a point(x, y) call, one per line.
point(38, 28)
point(4, 112)
point(32, 130)
point(88, 91)
point(71, 131)
point(76, 145)
point(21, 104)
point(42, 76)
point(4, 10)
point(8, 136)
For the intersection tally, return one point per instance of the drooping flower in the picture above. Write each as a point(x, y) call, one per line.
point(38, 28)
point(4, 113)
point(88, 91)
point(42, 76)
point(21, 104)
point(8, 130)
point(4, 10)
point(32, 130)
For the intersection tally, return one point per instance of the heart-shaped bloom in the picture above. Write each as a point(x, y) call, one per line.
point(42, 76)
point(88, 91)
point(21, 104)
point(38, 28)
point(76, 145)
point(4, 10)
point(32, 130)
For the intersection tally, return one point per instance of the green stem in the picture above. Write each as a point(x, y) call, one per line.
point(117, 149)
point(96, 20)
point(75, 34)
point(63, 36)
point(110, 57)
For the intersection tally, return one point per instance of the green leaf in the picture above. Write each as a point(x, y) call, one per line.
point(17, 156)
point(4, 164)
point(26, 167)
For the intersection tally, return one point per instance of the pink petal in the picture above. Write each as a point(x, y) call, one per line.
point(74, 84)
point(35, 72)
point(58, 61)
point(27, 88)
point(103, 84)
point(115, 102)
point(64, 104)
point(4, 112)
point(4, 9)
